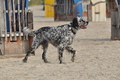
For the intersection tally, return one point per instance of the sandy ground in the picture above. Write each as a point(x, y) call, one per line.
point(97, 58)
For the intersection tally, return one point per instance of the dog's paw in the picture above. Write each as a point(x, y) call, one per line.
point(46, 61)
point(62, 63)
point(24, 61)
point(72, 59)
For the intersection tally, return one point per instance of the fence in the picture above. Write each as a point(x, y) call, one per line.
point(14, 16)
point(67, 12)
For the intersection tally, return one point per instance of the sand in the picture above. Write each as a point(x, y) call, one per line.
point(97, 58)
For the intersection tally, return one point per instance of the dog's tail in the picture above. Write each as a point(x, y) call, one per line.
point(28, 31)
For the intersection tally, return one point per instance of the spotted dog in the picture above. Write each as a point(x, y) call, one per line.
point(59, 36)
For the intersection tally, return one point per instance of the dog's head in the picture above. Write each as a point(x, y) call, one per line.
point(78, 22)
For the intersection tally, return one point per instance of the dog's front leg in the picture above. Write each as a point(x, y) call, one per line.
point(70, 49)
point(60, 51)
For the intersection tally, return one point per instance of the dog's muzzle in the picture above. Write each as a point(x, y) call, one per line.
point(84, 27)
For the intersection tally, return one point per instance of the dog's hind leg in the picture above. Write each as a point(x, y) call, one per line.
point(70, 49)
point(45, 47)
point(28, 53)
point(35, 45)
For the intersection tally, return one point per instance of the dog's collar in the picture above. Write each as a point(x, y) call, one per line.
point(70, 28)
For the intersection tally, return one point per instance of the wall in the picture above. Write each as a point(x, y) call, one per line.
point(98, 11)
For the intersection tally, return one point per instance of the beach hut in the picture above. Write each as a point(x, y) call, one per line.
point(97, 10)
point(14, 16)
point(49, 8)
point(67, 9)
point(115, 21)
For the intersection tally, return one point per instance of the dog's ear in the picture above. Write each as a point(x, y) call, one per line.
point(75, 20)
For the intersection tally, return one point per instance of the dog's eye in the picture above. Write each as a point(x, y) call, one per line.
point(83, 21)
point(80, 19)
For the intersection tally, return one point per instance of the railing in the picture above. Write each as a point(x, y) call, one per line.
point(15, 18)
